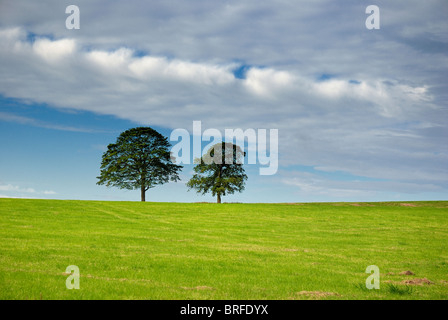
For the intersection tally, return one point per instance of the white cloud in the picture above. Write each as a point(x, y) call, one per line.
point(17, 191)
point(11, 34)
point(159, 67)
point(10, 187)
point(315, 184)
point(110, 61)
point(53, 51)
point(5, 116)
point(268, 82)
point(6, 196)
point(334, 88)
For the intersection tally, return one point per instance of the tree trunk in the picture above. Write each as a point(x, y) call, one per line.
point(219, 178)
point(143, 196)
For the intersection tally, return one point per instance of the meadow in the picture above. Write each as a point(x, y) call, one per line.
point(135, 250)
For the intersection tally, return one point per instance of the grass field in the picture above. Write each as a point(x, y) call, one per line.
point(134, 250)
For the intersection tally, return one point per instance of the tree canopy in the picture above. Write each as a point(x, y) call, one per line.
point(220, 171)
point(139, 159)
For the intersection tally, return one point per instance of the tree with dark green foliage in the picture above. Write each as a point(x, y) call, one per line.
point(140, 159)
point(220, 171)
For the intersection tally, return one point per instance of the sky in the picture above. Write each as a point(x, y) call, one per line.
point(361, 114)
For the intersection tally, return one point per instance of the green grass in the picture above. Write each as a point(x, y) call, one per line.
point(394, 289)
point(133, 250)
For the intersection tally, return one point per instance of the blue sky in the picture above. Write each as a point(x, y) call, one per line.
point(361, 114)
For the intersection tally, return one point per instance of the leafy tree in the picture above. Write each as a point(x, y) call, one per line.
point(140, 159)
point(220, 171)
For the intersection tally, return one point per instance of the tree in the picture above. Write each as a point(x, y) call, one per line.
point(220, 171)
point(140, 159)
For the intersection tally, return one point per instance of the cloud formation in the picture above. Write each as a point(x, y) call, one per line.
point(24, 192)
point(369, 103)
